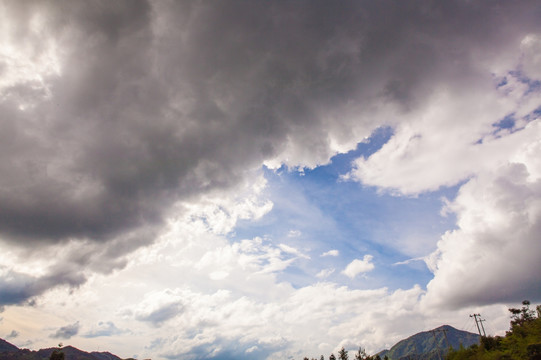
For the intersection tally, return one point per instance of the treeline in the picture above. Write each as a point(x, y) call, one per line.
point(359, 355)
point(521, 342)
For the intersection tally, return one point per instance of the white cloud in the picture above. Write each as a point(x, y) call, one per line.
point(531, 50)
point(325, 273)
point(291, 250)
point(358, 266)
point(331, 253)
point(495, 250)
point(294, 233)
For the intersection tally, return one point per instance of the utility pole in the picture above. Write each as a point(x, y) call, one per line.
point(477, 321)
point(482, 327)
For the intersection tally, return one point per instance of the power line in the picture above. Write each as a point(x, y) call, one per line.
point(477, 322)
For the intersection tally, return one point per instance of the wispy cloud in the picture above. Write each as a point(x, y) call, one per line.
point(330, 253)
point(325, 273)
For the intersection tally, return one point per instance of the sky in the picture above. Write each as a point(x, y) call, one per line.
point(266, 180)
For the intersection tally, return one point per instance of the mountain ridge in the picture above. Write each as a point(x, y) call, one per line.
point(9, 351)
point(430, 344)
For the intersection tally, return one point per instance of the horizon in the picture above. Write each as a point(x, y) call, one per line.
point(254, 180)
point(62, 346)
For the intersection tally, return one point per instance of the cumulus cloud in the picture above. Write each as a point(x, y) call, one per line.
point(121, 120)
point(494, 249)
point(222, 324)
point(359, 266)
point(113, 117)
point(66, 332)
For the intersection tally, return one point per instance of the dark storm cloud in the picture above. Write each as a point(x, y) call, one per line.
point(158, 102)
point(66, 332)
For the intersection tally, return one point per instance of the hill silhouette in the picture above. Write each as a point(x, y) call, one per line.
point(11, 352)
point(7, 347)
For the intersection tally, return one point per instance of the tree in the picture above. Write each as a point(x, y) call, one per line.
point(523, 315)
point(332, 357)
point(361, 354)
point(343, 354)
point(57, 355)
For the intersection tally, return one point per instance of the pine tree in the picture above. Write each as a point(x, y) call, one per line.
point(361, 354)
point(343, 354)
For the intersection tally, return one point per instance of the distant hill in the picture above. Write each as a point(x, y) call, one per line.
point(428, 345)
point(7, 347)
point(11, 352)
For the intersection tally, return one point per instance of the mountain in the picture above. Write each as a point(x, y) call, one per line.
point(11, 352)
point(430, 345)
point(7, 347)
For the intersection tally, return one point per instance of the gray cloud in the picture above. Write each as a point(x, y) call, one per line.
point(12, 335)
point(18, 288)
point(104, 329)
point(66, 332)
point(146, 103)
point(163, 313)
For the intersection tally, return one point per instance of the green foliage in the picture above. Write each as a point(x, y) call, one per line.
point(521, 342)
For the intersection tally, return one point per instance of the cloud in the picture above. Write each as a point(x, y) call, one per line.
point(18, 288)
point(330, 253)
point(409, 261)
point(531, 48)
point(159, 307)
point(494, 249)
point(160, 313)
point(291, 250)
point(104, 329)
point(325, 273)
point(358, 266)
point(12, 335)
point(219, 324)
point(123, 120)
point(66, 332)
point(294, 233)
point(113, 118)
